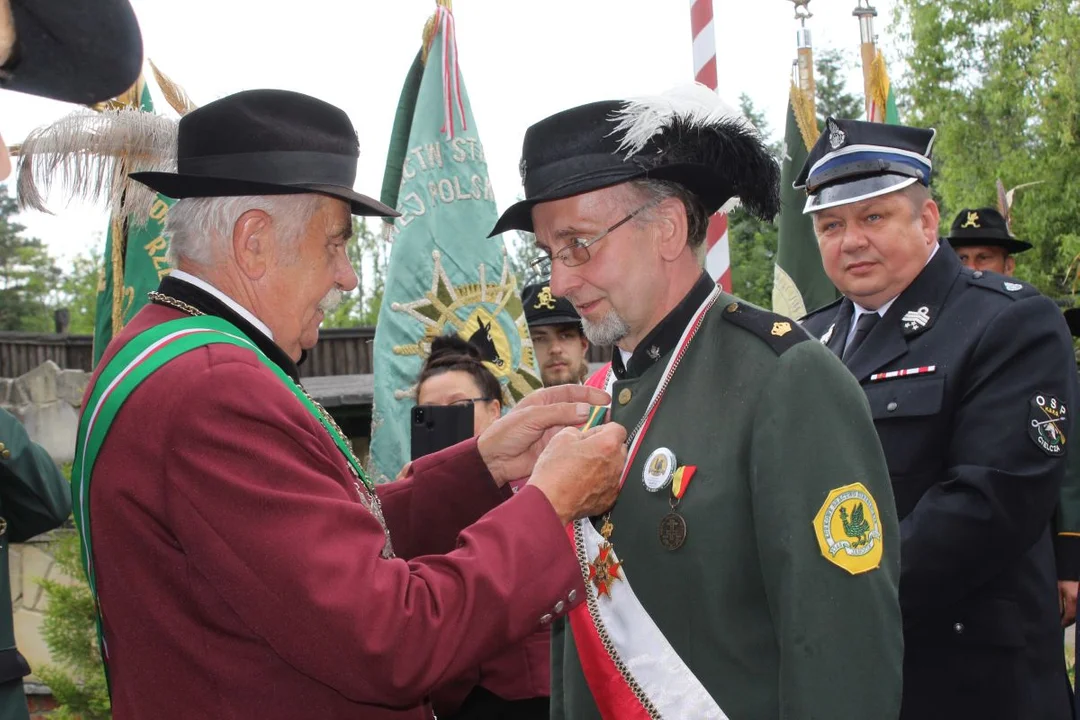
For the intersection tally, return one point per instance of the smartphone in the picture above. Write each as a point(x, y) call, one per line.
point(436, 427)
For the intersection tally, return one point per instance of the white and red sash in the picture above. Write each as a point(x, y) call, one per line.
point(632, 670)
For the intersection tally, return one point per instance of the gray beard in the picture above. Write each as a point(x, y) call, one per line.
point(610, 330)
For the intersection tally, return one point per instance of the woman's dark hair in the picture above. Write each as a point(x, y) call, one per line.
point(450, 352)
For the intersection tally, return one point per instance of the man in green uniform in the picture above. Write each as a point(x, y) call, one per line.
point(34, 498)
point(749, 567)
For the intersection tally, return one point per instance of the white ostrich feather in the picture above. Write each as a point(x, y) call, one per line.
point(693, 104)
point(89, 154)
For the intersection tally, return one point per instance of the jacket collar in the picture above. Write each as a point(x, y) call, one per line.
point(914, 312)
point(211, 305)
point(663, 338)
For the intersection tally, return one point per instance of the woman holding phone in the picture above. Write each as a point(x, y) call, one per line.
point(515, 684)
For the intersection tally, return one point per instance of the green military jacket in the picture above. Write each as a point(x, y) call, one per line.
point(771, 622)
point(35, 497)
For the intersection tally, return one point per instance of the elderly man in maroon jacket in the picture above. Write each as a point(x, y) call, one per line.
point(244, 566)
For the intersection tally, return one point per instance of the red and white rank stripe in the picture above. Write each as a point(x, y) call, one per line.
point(717, 258)
point(925, 370)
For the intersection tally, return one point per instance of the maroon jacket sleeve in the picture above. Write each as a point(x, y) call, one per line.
point(444, 493)
point(263, 506)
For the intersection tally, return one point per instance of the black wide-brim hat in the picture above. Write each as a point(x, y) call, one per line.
point(78, 51)
point(685, 136)
point(266, 142)
point(543, 308)
point(984, 226)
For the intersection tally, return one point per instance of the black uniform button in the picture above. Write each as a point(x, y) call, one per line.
point(891, 407)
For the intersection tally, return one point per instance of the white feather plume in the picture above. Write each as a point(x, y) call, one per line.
point(645, 117)
point(89, 154)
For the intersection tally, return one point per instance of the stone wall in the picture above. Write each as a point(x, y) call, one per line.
point(46, 401)
point(30, 562)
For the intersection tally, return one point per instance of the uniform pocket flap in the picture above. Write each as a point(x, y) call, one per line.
point(12, 665)
point(905, 397)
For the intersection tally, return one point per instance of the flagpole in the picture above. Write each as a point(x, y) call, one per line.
point(805, 61)
point(868, 50)
point(703, 38)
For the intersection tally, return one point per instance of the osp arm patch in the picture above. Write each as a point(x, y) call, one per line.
point(848, 529)
point(1046, 424)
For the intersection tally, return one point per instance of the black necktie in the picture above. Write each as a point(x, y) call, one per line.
point(863, 326)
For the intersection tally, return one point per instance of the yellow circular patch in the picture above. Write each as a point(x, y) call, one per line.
point(848, 529)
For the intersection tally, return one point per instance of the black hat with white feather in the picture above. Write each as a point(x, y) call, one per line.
point(686, 135)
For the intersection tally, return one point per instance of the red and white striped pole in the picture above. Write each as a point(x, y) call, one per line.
point(717, 258)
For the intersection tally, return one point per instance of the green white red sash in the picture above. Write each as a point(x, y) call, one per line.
point(632, 670)
point(135, 362)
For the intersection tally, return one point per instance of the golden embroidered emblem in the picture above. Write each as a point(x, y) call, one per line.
point(848, 529)
point(972, 221)
point(780, 329)
point(545, 300)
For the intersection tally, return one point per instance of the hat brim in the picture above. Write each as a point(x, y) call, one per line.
point(554, 320)
point(857, 190)
point(179, 186)
point(700, 180)
point(1011, 245)
point(78, 52)
point(1072, 317)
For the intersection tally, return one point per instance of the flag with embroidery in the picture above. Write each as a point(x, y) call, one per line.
point(445, 275)
point(799, 280)
point(134, 259)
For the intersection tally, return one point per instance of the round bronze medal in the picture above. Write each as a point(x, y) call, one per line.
point(672, 531)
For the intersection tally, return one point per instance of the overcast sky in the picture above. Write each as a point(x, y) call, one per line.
point(520, 61)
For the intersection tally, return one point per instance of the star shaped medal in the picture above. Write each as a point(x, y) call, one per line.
point(605, 568)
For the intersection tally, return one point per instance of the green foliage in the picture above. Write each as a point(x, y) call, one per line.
point(79, 289)
point(1000, 82)
point(369, 256)
point(28, 275)
point(832, 70)
point(78, 681)
point(752, 242)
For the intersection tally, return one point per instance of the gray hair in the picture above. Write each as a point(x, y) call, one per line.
point(697, 218)
point(199, 227)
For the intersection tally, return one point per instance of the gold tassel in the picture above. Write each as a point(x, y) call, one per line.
point(805, 116)
point(175, 95)
point(879, 87)
point(430, 29)
point(117, 275)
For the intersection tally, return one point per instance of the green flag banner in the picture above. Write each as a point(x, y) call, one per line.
point(445, 275)
point(133, 262)
point(799, 282)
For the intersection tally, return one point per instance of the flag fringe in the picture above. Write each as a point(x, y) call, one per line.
point(805, 117)
point(175, 95)
point(879, 89)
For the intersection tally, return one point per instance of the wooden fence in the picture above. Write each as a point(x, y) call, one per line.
point(341, 351)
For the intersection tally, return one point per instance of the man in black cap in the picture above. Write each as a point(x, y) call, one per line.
point(982, 240)
point(755, 520)
point(560, 343)
point(971, 381)
point(82, 52)
point(243, 563)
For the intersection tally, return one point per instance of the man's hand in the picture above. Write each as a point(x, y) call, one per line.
point(512, 444)
point(1067, 590)
point(579, 471)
